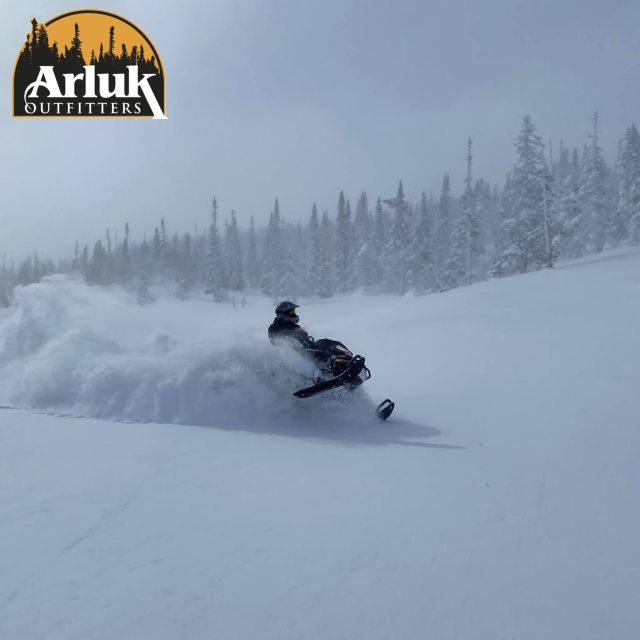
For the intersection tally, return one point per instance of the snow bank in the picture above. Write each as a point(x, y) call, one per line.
point(95, 352)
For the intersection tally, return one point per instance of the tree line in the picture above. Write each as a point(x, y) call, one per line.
point(549, 207)
point(37, 51)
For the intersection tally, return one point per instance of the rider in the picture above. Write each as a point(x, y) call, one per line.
point(344, 369)
point(285, 325)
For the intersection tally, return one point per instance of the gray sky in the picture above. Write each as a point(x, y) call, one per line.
point(300, 99)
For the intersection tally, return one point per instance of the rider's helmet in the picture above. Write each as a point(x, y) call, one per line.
point(287, 311)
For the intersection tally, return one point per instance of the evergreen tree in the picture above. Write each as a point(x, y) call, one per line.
point(291, 281)
point(98, 266)
point(163, 242)
point(563, 166)
point(464, 264)
point(314, 276)
point(570, 214)
point(527, 229)
point(361, 251)
point(423, 277)
point(252, 257)
point(156, 247)
point(274, 257)
point(344, 245)
point(397, 255)
point(186, 267)
point(362, 221)
point(214, 274)
point(594, 196)
point(486, 202)
point(74, 54)
point(377, 245)
point(443, 224)
point(326, 283)
point(235, 271)
point(626, 223)
point(84, 261)
point(124, 268)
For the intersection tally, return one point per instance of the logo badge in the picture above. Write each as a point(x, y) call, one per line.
point(88, 64)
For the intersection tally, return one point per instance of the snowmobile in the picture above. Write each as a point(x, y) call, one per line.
point(339, 368)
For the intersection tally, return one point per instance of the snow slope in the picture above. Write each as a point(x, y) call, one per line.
point(500, 503)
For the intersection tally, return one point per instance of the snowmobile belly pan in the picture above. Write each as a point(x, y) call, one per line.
point(351, 377)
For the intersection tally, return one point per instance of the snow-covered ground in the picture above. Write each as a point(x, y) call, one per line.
point(500, 502)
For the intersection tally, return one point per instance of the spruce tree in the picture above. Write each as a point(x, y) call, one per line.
point(274, 256)
point(594, 195)
point(112, 41)
point(422, 272)
point(397, 254)
point(74, 55)
point(326, 282)
point(464, 264)
point(377, 244)
point(314, 275)
point(186, 268)
point(527, 230)
point(563, 166)
point(571, 215)
point(156, 247)
point(214, 271)
point(291, 281)
point(486, 200)
point(626, 223)
point(362, 221)
point(252, 257)
point(443, 224)
point(344, 245)
point(235, 270)
point(361, 251)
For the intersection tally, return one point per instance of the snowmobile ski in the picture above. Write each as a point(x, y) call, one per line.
point(350, 377)
point(385, 409)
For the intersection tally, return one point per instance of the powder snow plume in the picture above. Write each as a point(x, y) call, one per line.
point(89, 351)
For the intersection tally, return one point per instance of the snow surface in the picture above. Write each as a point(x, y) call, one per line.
point(500, 502)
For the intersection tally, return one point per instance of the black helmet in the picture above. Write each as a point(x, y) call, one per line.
point(287, 311)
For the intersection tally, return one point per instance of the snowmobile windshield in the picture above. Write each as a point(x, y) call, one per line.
point(343, 349)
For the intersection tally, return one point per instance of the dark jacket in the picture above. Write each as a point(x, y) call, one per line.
point(283, 328)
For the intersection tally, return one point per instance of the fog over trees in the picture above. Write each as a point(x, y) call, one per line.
point(565, 205)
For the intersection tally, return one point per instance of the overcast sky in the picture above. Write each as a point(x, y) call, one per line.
point(300, 99)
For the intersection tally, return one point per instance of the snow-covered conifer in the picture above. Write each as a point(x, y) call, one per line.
point(527, 230)
point(594, 196)
point(252, 256)
point(344, 245)
point(397, 251)
point(326, 282)
point(626, 222)
point(464, 263)
point(423, 276)
point(235, 269)
point(443, 224)
point(215, 266)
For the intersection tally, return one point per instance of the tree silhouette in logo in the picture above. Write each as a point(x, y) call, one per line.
point(38, 52)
